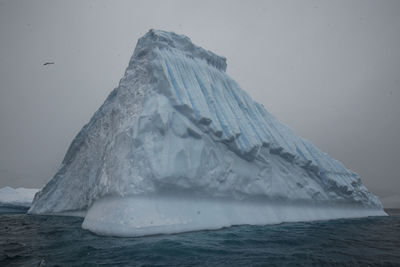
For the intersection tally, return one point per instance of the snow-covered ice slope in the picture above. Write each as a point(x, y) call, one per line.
point(178, 128)
point(17, 197)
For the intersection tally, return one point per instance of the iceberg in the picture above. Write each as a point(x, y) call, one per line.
point(179, 146)
point(22, 197)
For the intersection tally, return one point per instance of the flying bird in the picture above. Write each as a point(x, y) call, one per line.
point(48, 63)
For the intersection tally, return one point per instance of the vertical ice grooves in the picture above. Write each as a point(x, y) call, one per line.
point(202, 87)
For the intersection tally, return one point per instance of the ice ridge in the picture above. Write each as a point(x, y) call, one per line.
point(172, 41)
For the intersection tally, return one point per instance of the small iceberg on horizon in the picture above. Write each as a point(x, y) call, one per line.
point(16, 200)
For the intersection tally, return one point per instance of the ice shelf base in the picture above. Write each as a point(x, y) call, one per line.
point(151, 215)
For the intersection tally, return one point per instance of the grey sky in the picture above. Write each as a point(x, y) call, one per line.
point(328, 69)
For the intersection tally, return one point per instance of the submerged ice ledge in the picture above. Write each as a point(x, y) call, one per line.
point(150, 215)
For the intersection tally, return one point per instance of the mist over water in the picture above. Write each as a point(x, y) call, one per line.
point(27, 240)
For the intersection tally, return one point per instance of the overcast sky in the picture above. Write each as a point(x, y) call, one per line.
point(328, 69)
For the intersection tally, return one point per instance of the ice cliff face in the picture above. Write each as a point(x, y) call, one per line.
point(178, 125)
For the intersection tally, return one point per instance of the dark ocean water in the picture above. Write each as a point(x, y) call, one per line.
point(27, 240)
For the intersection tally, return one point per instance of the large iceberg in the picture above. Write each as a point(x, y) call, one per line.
point(179, 146)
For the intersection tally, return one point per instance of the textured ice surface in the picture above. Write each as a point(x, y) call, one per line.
point(17, 197)
point(178, 125)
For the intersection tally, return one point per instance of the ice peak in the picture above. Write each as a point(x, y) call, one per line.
point(170, 40)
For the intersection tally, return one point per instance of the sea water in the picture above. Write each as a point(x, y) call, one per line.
point(27, 240)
